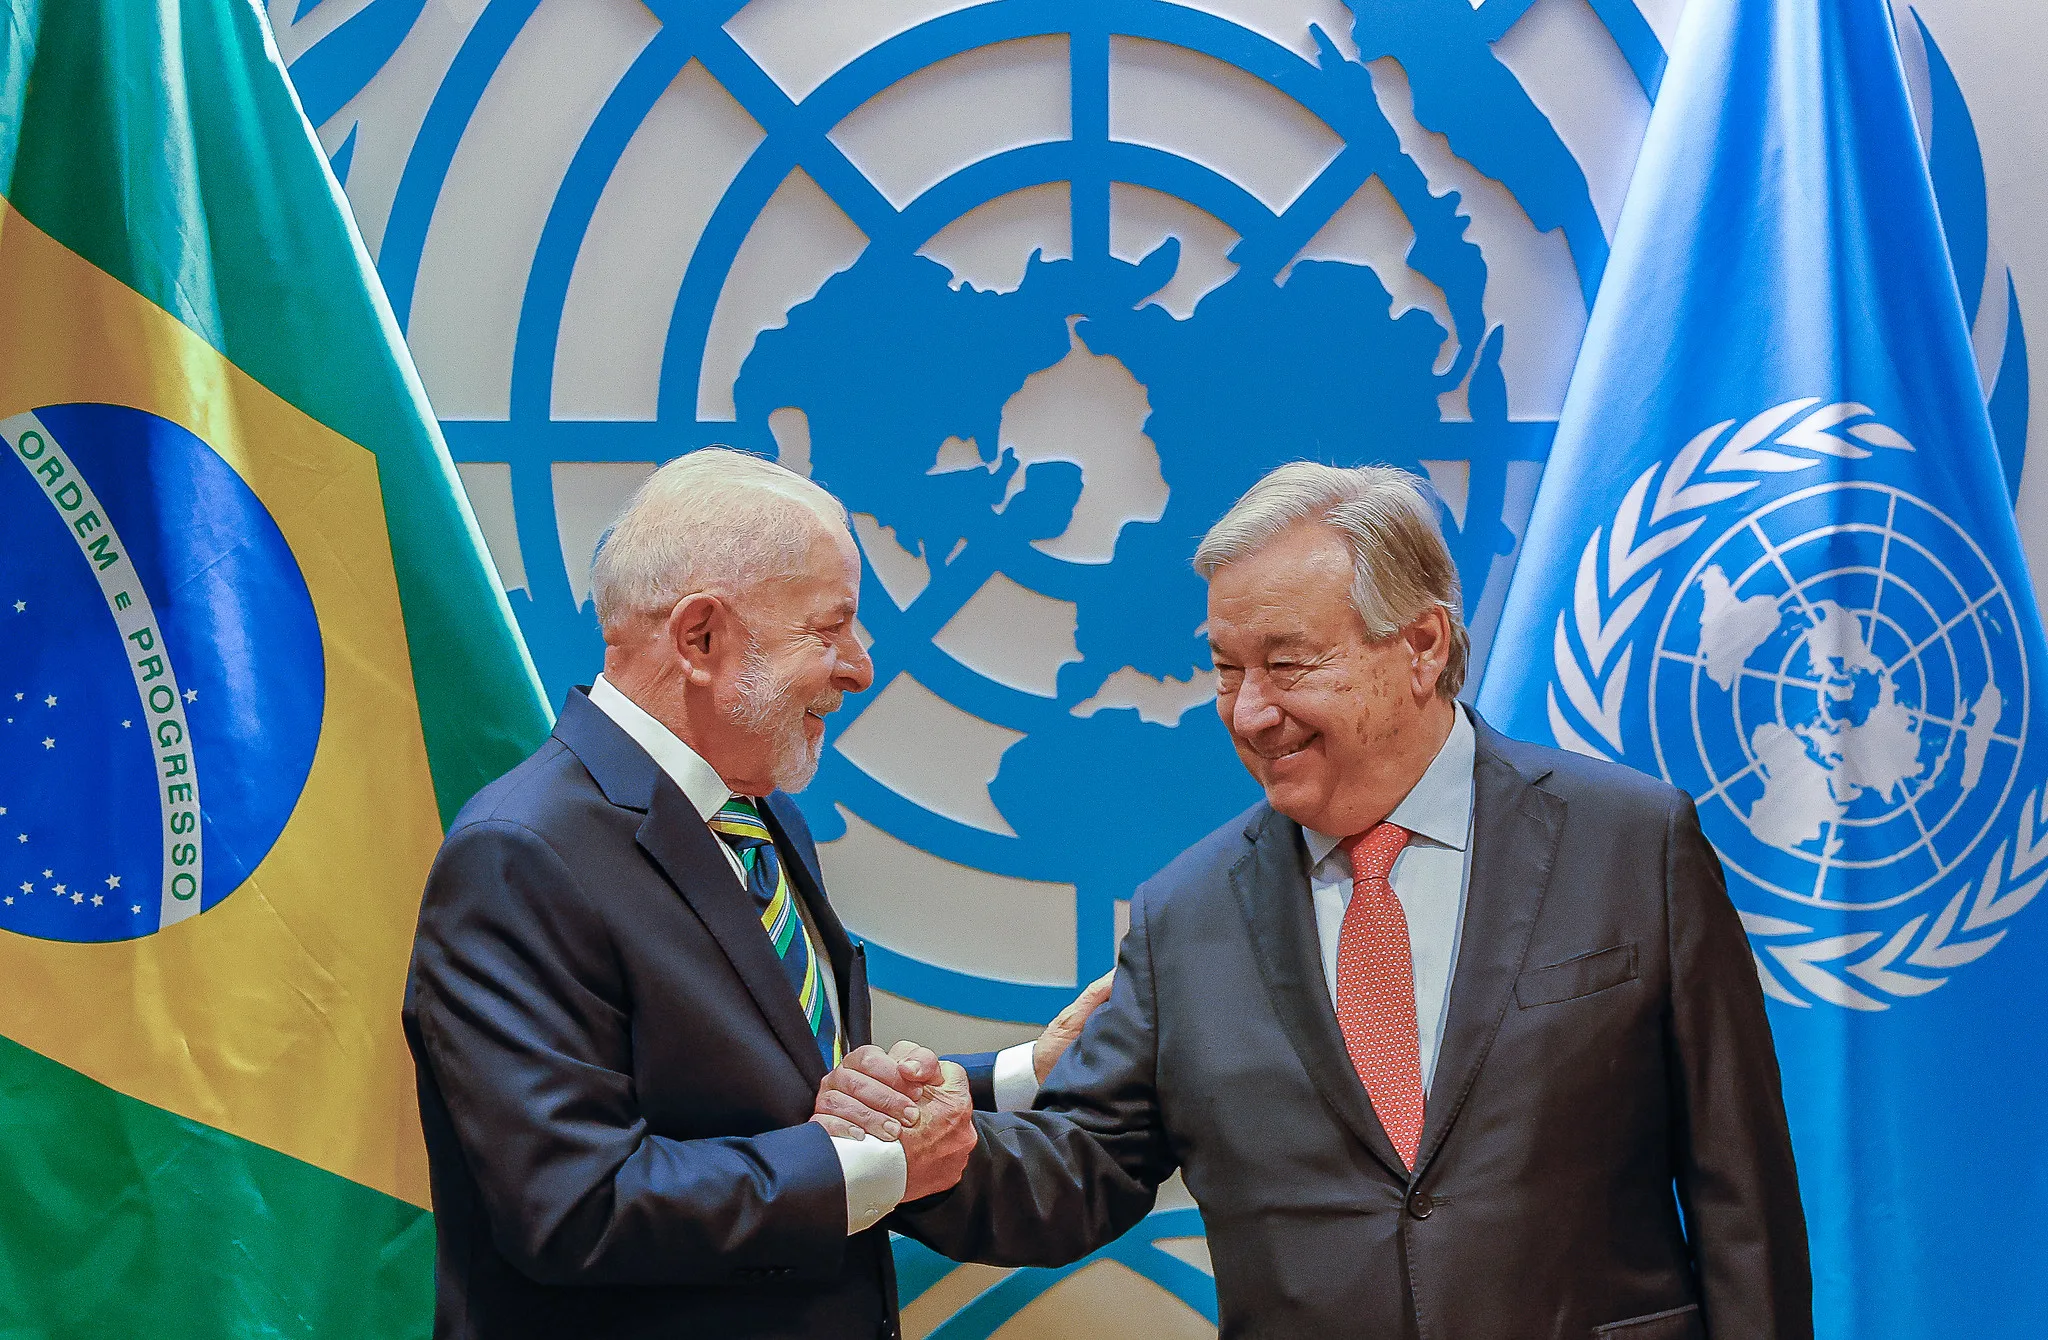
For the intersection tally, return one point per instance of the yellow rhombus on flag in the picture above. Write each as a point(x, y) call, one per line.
point(252, 655)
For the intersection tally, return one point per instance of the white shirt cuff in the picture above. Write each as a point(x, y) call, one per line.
point(876, 1172)
point(1016, 1079)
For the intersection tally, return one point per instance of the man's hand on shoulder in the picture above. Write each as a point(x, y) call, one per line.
point(1059, 1035)
point(906, 1094)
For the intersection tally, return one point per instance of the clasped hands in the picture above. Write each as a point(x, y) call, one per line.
point(906, 1094)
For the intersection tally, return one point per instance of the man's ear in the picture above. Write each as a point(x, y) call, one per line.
point(699, 626)
point(1429, 648)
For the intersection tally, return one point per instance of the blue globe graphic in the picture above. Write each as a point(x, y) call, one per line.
point(889, 361)
point(901, 379)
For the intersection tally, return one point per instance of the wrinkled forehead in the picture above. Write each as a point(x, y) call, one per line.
point(1283, 592)
point(1267, 623)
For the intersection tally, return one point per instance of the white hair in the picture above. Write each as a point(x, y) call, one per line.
point(1400, 564)
point(714, 520)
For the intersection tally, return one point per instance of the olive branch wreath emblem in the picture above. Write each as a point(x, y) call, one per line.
point(1661, 511)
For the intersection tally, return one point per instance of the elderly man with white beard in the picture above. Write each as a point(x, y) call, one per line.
point(628, 985)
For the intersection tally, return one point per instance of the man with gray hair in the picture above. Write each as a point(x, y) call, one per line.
point(627, 984)
point(1452, 1036)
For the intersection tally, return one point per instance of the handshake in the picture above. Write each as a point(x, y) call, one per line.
point(906, 1094)
point(909, 1095)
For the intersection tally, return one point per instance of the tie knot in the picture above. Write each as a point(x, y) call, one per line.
point(1373, 852)
point(739, 822)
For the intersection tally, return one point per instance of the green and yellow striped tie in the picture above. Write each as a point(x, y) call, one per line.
point(739, 823)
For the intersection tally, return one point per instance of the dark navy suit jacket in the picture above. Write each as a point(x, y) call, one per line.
point(1604, 1153)
point(614, 1078)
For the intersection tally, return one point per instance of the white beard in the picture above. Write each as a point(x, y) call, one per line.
point(770, 709)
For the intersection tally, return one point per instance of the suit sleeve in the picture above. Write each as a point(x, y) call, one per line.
point(1048, 1186)
point(516, 1010)
point(981, 1077)
point(1733, 1160)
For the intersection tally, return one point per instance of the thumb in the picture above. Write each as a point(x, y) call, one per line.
point(918, 1062)
point(1075, 1016)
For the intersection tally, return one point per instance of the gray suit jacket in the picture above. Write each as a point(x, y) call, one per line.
point(1604, 1151)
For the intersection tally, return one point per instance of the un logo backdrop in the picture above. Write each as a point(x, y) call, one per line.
point(1037, 287)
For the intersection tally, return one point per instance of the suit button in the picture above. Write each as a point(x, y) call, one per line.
point(1420, 1205)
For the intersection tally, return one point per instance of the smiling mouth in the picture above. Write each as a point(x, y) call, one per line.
point(1276, 755)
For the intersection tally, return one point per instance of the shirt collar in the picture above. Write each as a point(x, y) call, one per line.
point(1439, 806)
point(700, 782)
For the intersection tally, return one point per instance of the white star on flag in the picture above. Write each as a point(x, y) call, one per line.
point(136, 909)
point(20, 606)
point(126, 724)
point(50, 700)
point(49, 743)
point(10, 900)
point(77, 897)
point(46, 874)
point(27, 887)
point(191, 695)
point(61, 889)
point(21, 837)
point(113, 881)
point(97, 899)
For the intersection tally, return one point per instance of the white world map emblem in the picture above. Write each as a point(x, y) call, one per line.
point(1839, 681)
point(1831, 668)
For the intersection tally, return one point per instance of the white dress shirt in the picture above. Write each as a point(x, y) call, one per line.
point(1429, 877)
point(875, 1170)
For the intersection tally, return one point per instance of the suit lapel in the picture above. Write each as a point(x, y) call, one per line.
point(1515, 830)
point(676, 837)
point(1271, 883)
point(860, 1003)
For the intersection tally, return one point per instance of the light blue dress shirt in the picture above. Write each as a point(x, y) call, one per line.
point(1430, 878)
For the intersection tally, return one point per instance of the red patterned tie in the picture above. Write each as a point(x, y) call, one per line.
point(1376, 990)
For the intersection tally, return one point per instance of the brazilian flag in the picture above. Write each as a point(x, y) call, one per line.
point(252, 656)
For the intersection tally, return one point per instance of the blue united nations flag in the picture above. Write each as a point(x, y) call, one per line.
point(1772, 561)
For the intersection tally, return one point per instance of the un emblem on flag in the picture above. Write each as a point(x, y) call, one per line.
point(1837, 675)
point(1839, 681)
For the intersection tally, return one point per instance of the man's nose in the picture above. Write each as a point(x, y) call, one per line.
point(856, 668)
point(1253, 711)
